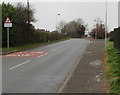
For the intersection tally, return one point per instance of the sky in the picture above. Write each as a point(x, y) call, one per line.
point(45, 12)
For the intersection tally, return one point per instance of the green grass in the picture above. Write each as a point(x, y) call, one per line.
point(113, 73)
point(30, 46)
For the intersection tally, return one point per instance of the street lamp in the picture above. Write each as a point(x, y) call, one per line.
point(56, 20)
point(105, 23)
point(101, 22)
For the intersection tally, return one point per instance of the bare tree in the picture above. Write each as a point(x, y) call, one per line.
point(99, 31)
point(74, 28)
point(61, 24)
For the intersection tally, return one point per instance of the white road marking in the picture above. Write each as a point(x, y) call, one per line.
point(56, 48)
point(42, 55)
point(88, 52)
point(19, 65)
point(18, 55)
point(89, 42)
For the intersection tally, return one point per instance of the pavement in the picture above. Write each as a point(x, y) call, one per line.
point(8, 52)
point(43, 69)
point(4, 52)
point(88, 74)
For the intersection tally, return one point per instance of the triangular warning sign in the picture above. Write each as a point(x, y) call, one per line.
point(8, 20)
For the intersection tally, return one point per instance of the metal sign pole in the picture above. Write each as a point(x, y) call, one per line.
point(8, 44)
point(8, 24)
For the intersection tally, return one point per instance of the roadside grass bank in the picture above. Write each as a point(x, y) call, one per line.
point(30, 46)
point(112, 69)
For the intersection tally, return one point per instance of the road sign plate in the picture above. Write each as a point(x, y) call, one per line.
point(7, 24)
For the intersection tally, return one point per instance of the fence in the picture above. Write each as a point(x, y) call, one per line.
point(117, 38)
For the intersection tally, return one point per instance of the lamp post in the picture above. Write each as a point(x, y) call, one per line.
point(56, 21)
point(102, 22)
point(105, 23)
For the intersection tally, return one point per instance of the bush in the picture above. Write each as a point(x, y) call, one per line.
point(113, 72)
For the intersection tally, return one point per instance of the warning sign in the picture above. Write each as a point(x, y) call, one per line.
point(7, 23)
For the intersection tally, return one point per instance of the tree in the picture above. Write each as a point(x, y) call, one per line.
point(24, 30)
point(99, 31)
point(74, 28)
point(22, 13)
point(61, 24)
point(21, 32)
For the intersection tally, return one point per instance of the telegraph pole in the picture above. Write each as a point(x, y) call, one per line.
point(28, 11)
point(56, 21)
point(105, 23)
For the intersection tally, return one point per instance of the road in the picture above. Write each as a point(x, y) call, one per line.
point(43, 69)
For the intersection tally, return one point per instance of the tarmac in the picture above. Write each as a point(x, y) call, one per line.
point(88, 76)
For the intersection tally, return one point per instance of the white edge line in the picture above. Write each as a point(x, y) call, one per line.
point(19, 65)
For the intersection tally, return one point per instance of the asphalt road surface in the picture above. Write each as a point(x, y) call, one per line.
point(41, 70)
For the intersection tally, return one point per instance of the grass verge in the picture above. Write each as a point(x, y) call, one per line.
point(113, 69)
point(30, 46)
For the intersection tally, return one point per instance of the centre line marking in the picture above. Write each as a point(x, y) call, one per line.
point(19, 65)
point(91, 41)
point(54, 50)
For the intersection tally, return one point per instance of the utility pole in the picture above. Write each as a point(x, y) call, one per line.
point(28, 11)
point(56, 21)
point(105, 23)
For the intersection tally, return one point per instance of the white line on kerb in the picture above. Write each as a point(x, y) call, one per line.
point(19, 65)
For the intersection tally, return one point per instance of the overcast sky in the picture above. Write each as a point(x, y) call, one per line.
point(45, 12)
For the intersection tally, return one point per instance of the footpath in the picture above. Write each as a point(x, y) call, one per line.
point(88, 76)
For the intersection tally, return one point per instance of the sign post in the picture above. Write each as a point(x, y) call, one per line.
point(8, 44)
point(8, 24)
